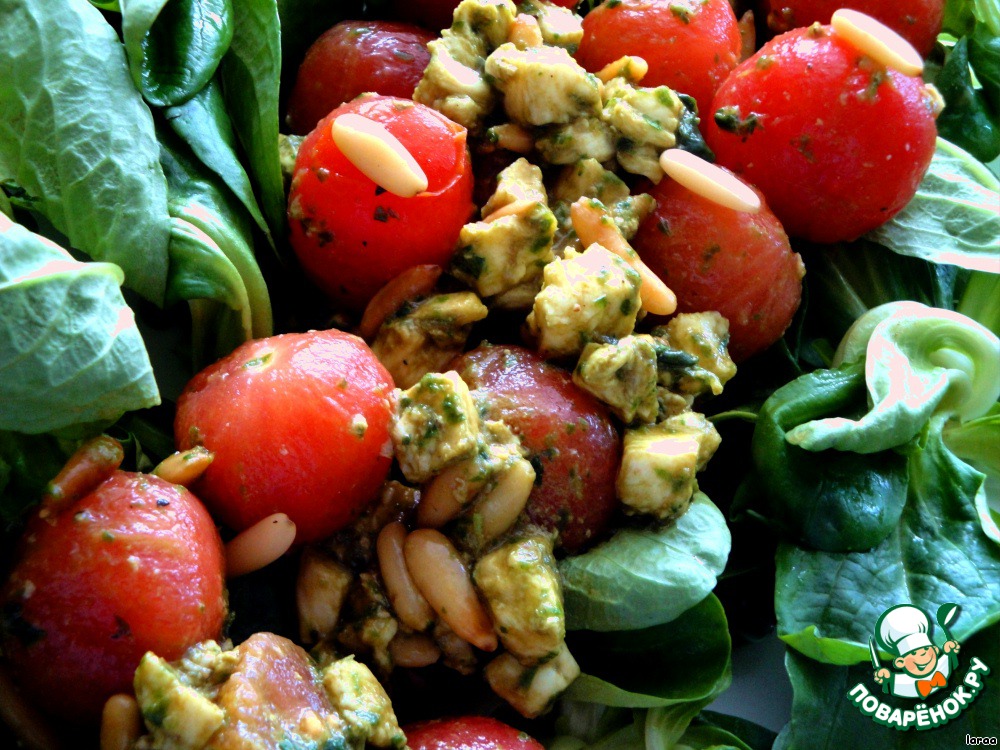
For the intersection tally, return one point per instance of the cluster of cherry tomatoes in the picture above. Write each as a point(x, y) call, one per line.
point(834, 143)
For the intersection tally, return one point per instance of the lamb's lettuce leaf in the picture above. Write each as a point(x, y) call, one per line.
point(969, 118)
point(251, 79)
point(174, 46)
point(77, 140)
point(683, 661)
point(953, 218)
point(27, 464)
point(644, 577)
point(70, 353)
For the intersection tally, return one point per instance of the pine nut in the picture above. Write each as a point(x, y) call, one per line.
point(441, 576)
point(413, 650)
point(445, 496)
point(184, 467)
point(512, 137)
point(592, 226)
point(525, 32)
point(501, 506)
point(121, 723)
point(414, 282)
point(516, 208)
point(629, 67)
point(93, 462)
point(260, 545)
point(709, 181)
point(878, 41)
point(409, 604)
point(379, 155)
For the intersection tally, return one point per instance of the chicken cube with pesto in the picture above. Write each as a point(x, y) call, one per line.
point(519, 182)
point(434, 424)
point(647, 119)
point(532, 690)
point(587, 137)
point(425, 335)
point(362, 703)
point(520, 585)
point(585, 296)
point(542, 85)
point(560, 27)
point(623, 375)
point(659, 462)
point(705, 337)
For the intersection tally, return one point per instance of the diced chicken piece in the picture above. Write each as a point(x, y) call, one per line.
point(435, 423)
point(647, 119)
point(362, 703)
point(518, 182)
point(425, 336)
point(586, 137)
point(622, 375)
point(178, 715)
point(705, 336)
point(542, 85)
point(560, 27)
point(320, 591)
point(532, 690)
point(657, 474)
point(588, 179)
point(584, 297)
point(519, 582)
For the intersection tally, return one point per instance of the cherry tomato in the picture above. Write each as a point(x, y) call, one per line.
point(714, 258)
point(352, 236)
point(437, 14)
point(352, 58)
point(571, 440)
point(467, 733)
point(835, 141)
point(690, 45)
point(135, 565)
point(917, 21)
point(299, 424)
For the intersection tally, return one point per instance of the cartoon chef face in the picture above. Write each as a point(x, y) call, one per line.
point(905, 630)
point(919, 662)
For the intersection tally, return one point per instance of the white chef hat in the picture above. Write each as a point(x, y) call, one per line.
point(904, 628)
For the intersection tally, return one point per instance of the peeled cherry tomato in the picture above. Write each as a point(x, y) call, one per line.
point(352, 236)
point(917, 21)
point(690, 45)
point(714, 258)
point(299, 424)
point(570, 438)
point(835, 141)
point(467, 733)
point(135, 565)
point(352, 58)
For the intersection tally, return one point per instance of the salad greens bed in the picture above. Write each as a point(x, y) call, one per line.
point(144, 140)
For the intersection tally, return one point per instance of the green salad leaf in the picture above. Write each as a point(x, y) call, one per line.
point(70, 353)
point(644, 577)
point(968, 119)
point(78, 140)
point(27, 464)
point(174, 46)
point(683, 661)
point(251, 79)
point(953, 218)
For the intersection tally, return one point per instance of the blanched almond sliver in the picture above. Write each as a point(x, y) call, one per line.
point(878, 41)
point(379, 155)
point(708, 181)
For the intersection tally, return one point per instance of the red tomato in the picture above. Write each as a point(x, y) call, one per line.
point(352, 58)
point(350, 235)
point(917, 21)
point(135, 565)
point(437, 14)
point(467, 733)
point(299, 424)
point(571, 440)
point(690, 45)
point(714, 258)
point(837, 143)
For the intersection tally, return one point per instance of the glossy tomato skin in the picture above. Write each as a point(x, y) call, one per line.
point(917, 21)
point(690, 45)
point(571, 440)
point(352, 58)
point(135, 565)
point(299, 424)
point(837, 143)
point(350, 235)
point(714, 258)
point(467, 733)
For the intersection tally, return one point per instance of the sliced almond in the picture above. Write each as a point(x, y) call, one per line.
point(878, 41)
point(708, 181)
point(630, 67)
point(379, 155)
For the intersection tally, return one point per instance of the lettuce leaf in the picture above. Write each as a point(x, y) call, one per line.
point(70, 353)
point(640, 578)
